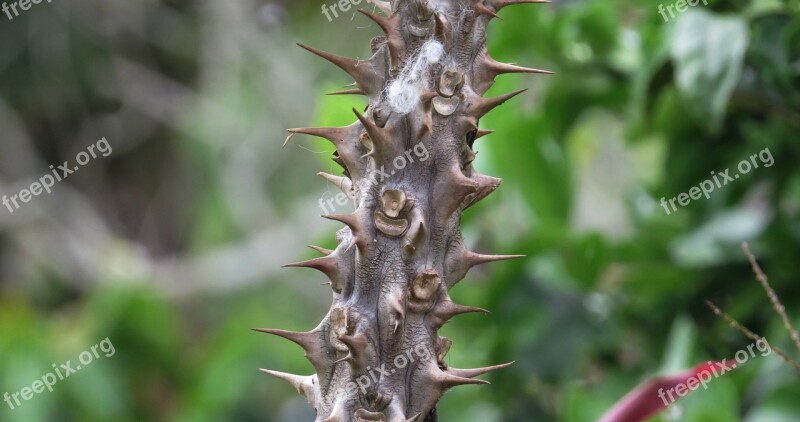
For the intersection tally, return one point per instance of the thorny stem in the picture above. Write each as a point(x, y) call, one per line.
point(749, 334)
point(776, 303)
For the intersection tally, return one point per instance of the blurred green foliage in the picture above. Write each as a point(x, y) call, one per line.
point(171, 246)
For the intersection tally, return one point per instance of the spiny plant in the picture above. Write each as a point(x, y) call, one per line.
point(402, 249)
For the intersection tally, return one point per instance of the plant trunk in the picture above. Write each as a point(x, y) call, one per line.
point(407, 164)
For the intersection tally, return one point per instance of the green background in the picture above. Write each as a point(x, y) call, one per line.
point(172, 245)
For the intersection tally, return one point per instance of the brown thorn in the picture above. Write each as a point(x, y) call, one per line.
point(287, 139)
point(321, 250)
point(356, 91)
point(485, 10)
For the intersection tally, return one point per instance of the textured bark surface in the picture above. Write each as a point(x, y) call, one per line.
point(377, 353)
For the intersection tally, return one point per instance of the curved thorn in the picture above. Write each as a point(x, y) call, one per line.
point(474, 372)
point(320, 249)
point(291, 134)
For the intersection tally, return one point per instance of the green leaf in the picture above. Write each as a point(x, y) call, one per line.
point(708, 52)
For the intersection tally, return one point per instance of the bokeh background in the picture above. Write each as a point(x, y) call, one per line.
point(171, 247)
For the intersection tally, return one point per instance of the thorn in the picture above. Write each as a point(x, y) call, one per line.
point(470, 157)
point(306, 340)
point(380, 20)
point(482, 133)
point(454, 189)
point(397, 308)
point(443, 29)
point(345, 63)
point(498, 68)
point(486, 185)
point(467, 123)
point(444, 345)
point(378, 136)
point(486, 11)
point(461, 183)
point(390, 27)
point(500, 4)
point(426, 99)
point(325, 264)
point(350, 220)
point(333, 134)
point(284, 376)
point(354, 342)
point(446, 380)
point(321, 250)
point(362, 72)
point(303, 385)
point(448, 309)
point(345, 139)
point(484, 105)
point(477, 259)
point(358, 348)
point(343, 183)
point(312, 343)
point(427, 124)
point(354, 242)
point(356, 91)
point(287, 140)
point(414, 418)
point(472, 373)
point(414, 238)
